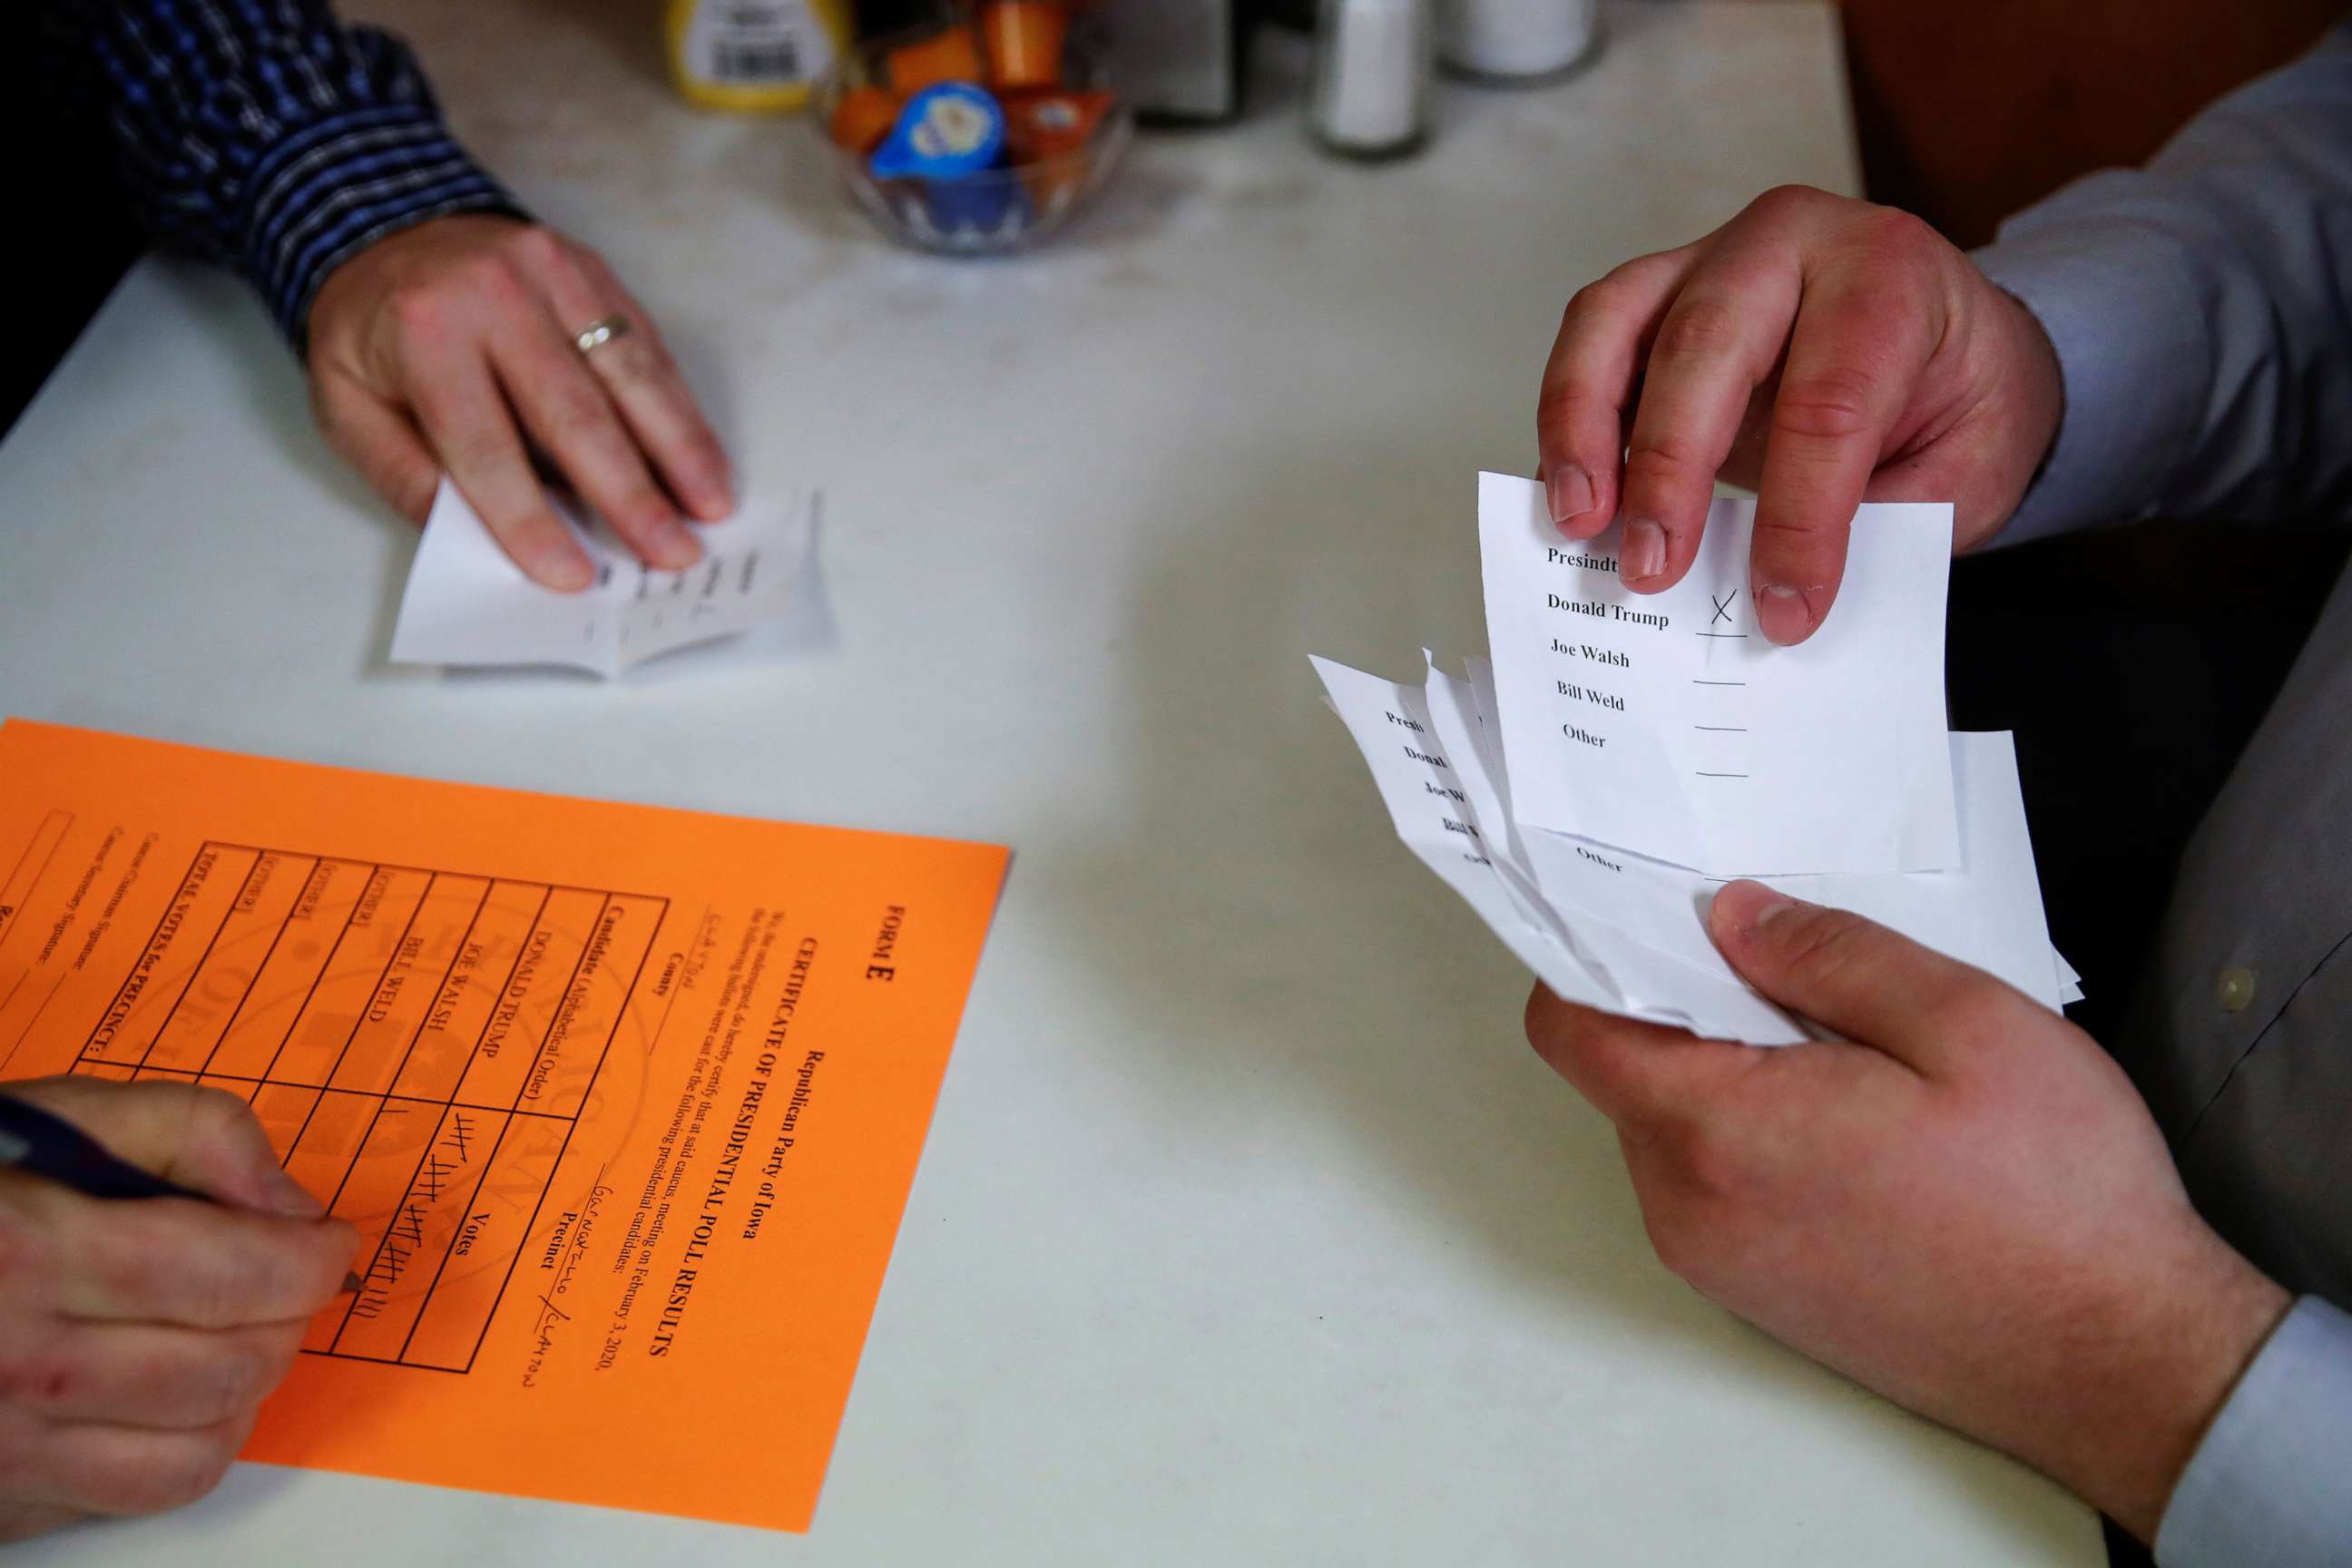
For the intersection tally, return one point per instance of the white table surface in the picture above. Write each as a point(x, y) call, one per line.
point(1249, 1230)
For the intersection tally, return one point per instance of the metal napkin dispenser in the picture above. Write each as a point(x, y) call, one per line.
point(1180, 61)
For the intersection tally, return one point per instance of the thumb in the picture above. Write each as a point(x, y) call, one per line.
point(204, 1139)
point(1872, 986)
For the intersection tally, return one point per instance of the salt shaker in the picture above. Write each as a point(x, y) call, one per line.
point(1372, 65)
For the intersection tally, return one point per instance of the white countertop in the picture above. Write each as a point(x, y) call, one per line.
point(1249, 1229)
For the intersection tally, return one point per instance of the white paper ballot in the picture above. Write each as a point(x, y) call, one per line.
point(1416, 781)
point(1614, 931)
point(1667, 725)
point(1642, 979)
point(468, 604)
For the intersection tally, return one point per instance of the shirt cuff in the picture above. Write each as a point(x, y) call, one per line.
point(2127, 327)
point(2271, 1482)
point(341, 184)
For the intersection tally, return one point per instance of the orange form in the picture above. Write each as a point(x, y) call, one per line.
point(623, 1102)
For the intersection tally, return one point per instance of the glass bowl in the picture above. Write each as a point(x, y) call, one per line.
point(995, 211)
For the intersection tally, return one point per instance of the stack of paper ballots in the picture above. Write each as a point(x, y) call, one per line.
point(1622, 755)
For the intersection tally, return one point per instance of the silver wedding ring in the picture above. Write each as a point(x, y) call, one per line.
point(602, 330)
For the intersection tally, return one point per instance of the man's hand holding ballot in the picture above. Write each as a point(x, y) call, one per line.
point(1823, 352)
point(1961, 1203)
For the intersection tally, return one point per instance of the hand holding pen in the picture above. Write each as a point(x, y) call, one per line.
point(138, 1338)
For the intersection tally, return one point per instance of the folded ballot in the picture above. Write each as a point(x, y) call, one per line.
point(468, 604)
point(1593, 843)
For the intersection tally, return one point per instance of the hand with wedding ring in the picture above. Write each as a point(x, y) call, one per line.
point(468, 341)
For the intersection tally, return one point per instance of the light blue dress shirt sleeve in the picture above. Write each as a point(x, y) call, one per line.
point(2202, 309)
point(2271, 1482)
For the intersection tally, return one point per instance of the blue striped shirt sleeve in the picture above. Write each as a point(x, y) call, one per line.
point(266, 135)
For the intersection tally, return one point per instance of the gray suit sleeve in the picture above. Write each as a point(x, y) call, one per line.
point(2271, 1482)
point(2202, 309)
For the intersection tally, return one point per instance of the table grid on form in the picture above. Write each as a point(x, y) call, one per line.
point(419, 1045)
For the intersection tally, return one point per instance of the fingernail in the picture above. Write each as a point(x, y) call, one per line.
point(1569, 490)
point(1752, 905)
point(1645, 555)
point(1783, 613)
point(291, 1198)
point(675, 547)
point(564, 568)
point(715, 496)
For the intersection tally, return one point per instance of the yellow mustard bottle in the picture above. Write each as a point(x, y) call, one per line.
point(755, 56)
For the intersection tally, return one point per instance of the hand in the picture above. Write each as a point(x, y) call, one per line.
point(1968, 1210)
point(426, 347)
point(137, 1336)
point(1825, 351)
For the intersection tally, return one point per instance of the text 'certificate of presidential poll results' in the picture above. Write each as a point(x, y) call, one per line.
point(624, 1102)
